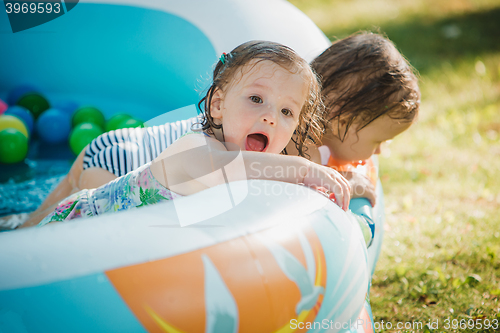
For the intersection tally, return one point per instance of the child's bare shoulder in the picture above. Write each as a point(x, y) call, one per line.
point(199, 138)
point(189, 141)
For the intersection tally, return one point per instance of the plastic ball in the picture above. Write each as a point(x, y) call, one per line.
point(13, 146)
point(88, 114)
point(3, 107)
point(53, 126)
point(8, 121)
point(67, 106)
point(35, 103)
point(115, 121)
point(82, 135)
point(130, 123)
point(23, 114)
point(18, 92)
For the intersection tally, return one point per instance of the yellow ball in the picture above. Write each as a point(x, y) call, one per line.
point(8, 121)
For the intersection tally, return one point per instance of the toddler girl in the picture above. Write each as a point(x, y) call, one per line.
point(262, 93)
point(371, 95)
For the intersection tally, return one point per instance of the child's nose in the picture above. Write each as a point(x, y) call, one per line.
point(269, 117)
point(269, 120)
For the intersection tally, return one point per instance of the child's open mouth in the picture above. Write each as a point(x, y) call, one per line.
point(256, 142)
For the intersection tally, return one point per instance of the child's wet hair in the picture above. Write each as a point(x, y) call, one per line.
point(364, 77)
point(310, 126)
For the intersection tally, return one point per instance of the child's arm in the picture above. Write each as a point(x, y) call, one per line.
point(197, 162)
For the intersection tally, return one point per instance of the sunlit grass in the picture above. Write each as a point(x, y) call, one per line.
point(338, 16)
point(441, 252)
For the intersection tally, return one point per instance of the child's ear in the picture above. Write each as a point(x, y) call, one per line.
point(216, 104)
point(342, 122)
point(339, 127)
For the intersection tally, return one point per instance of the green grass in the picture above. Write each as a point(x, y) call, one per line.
point(441, 252)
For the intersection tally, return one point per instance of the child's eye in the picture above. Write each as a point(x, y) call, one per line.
point(286, 112)
point(256, 99)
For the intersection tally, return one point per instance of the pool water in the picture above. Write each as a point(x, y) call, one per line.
point(23, 186)
point(24, 189)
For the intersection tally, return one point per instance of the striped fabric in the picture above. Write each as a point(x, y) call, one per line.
point(126, 149)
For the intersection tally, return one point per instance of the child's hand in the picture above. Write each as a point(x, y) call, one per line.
point(361, 186)
point(327, 193)
point(319, 176)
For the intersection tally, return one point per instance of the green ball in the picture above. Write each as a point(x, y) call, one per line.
point(13, 146)
point(131, 123)
point(35, 103)
point(115, 121)
point(88, 114)
point(82, 135)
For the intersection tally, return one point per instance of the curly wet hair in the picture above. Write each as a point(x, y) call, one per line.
point(365, 77)
point(310, 126)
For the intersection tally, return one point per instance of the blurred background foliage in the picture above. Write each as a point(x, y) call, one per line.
point(441, 253)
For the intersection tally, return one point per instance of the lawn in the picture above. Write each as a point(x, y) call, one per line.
point(441, 254)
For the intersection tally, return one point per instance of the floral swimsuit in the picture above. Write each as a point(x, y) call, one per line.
point(136, 189)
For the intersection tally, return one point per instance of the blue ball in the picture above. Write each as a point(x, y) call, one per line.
point(18, 92)
point(23, 114)
point(53, 126)
point(67, 106)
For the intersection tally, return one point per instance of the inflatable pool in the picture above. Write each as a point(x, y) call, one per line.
point(274, 257)
point(297, 259)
